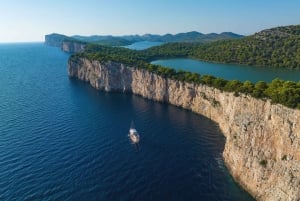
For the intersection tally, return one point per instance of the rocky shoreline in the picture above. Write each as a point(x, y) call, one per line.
point(262, 150)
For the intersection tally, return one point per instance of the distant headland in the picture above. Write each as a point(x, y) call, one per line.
point(56, 39)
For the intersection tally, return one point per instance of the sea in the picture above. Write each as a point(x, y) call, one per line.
point(142, 45)
point(60, 139)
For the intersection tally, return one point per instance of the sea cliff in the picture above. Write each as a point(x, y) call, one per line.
point(72, 46)
point(65, 43)
point(262, 150)
point(54, 39)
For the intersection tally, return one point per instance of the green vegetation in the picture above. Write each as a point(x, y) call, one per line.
point(109, 40)
point(279, 91)
point(278, 47)
point(284, 158)
point(263, 163)
point(73, 40)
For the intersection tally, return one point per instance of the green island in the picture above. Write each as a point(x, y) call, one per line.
point(277, 47)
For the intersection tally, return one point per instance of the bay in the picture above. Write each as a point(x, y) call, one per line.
point(141, 45)
point(60, 139)
point(231, 71)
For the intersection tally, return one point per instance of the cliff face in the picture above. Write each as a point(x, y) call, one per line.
point(262, 149)
point(54, 39)
point(67, 44)
point(72, 47)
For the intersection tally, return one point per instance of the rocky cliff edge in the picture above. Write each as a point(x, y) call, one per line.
point(262, 150)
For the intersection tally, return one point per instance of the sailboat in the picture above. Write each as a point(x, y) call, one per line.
point(133, 134)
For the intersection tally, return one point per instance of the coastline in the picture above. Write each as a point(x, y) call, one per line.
point(255, 130)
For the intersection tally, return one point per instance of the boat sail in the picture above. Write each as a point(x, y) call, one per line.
point(133, 134)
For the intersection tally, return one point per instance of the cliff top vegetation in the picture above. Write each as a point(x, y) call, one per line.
point(279, 91)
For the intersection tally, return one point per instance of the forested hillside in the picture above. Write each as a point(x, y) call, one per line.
point(277, 47)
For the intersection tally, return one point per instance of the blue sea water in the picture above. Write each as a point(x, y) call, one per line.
point(141, 45)
point(60, 139)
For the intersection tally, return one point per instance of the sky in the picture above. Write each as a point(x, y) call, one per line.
point(30, 20)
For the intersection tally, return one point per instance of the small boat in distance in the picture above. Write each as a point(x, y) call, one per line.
point(133, 134)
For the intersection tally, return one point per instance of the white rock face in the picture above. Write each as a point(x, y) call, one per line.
point(262, 149)
point(72, 47)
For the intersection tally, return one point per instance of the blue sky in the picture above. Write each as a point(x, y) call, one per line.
point(30, 20)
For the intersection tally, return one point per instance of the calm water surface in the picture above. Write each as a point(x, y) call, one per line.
point(62, 140)
point(143, 45)
point(230, 71)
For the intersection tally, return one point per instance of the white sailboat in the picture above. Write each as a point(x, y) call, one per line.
point(133, 134)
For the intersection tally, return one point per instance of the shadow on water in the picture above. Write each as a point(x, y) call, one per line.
point(63, 140)
point(179, 151)
point(136, 146)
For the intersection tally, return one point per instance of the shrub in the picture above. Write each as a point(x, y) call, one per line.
point(284, 158)
point(263, 163)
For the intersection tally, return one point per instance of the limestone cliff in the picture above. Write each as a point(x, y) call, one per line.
point(262, 149)
point(67, 44)
point(55, 39)
point(72, 46)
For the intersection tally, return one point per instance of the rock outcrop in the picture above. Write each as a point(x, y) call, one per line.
point(72, 46)
point(65, 43)
point(55, 39)
point(262, 149)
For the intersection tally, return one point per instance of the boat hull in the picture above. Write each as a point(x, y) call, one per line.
point(135, 138)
